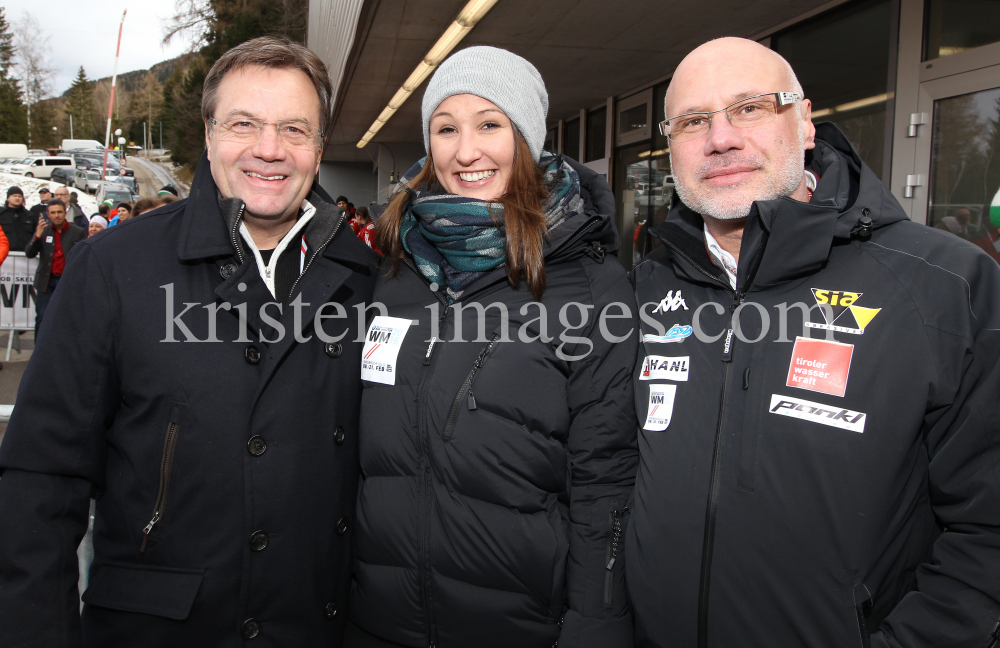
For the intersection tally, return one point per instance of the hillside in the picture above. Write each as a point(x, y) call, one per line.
point(129, 81)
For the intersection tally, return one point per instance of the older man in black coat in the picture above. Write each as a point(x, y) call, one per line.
point(199, 378)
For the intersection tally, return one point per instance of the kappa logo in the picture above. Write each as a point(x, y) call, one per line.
point(834, 304)
point(671, 303)
point(837, 417)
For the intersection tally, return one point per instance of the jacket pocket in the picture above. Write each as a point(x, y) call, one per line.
point(162, 592)
point(753, 387)
point(166, 465)
point(616, 539)
point(465, 395)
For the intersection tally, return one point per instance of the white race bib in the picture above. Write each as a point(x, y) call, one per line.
point(382, 343)
point(661, 407)
point(48, 239)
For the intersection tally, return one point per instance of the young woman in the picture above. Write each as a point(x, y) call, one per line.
point(498, 443)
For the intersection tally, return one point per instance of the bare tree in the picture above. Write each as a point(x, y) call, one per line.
point(191, 17)
point(31, 65)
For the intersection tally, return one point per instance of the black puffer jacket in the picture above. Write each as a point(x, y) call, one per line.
point(495, 474)
point(836, 482)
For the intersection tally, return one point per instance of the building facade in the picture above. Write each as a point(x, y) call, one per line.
point(914, 84)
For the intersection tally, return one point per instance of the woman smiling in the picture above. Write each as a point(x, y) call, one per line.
point(498, 447)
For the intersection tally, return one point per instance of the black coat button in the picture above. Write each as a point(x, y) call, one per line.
point(330, 610)
point(227, 270)
point(253, 355)
point(342, 526)
point(250, 629)
point(339, 435)
point(258, 541)
point(333, 349)
point(256, 445)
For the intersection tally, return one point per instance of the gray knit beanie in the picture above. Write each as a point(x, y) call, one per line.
point(497, 75)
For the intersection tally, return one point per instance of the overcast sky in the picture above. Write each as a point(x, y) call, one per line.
point(84, 32)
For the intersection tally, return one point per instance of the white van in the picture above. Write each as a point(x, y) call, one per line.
point(79, 145)
point(42, 167)
point(19, 151)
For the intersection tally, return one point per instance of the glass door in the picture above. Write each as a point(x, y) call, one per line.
point(957, 180)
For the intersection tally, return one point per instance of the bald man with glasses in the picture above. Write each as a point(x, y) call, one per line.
point(816, 390)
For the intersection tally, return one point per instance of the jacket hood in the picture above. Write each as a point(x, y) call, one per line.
point(798, 235)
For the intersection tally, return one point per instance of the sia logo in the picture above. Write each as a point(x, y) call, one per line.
point(833, 304)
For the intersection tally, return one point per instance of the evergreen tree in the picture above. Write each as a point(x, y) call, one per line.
point(13, 118)
point(80, 105)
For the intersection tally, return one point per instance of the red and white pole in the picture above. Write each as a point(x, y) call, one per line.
point(111, 103)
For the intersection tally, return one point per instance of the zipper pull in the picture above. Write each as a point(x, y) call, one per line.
point(746, 378)
point(472, 401)
point(145, 532)
point(727, 350)
point(430, 351)
point(611, 564)
point(267, 273)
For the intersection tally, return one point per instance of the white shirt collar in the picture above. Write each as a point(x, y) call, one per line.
point(267, 271)
point(720, 258)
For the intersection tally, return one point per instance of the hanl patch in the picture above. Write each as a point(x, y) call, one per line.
point(833, 304)
point(836, 417)
point(665, 368)
point(820, 366)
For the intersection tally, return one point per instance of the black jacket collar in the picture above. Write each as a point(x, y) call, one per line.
point(209, 223)
point(784, 239)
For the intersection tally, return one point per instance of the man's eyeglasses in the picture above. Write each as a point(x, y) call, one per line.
point(247, 130)
point(744, 113)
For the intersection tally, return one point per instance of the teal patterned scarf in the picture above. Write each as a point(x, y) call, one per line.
point(455, 241)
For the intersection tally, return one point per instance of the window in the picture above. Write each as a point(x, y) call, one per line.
point(550, 141)
point(953, 26)
point(596, 132)
point(571, 139)
point(841, 59)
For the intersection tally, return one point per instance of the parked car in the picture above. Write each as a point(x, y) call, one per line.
point(89, 161)
point(88, 180)
point(41, 167)
point(62, 175)
point(37, 153)
point(116, 193)
point(10, 166)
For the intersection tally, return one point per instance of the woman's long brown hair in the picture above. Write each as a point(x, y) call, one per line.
point(523, 221)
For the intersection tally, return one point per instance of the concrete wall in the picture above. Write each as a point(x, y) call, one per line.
point(356, 180)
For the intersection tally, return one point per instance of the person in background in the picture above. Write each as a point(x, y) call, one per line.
point(74, 214)
point(123, 209)
point(167, 189)
point(144, 205)
point(98, 223)
point(367, 229)
point(15, 220)
point(54, 238)
point(37, 211)
point(493, 515)
point(342, 202)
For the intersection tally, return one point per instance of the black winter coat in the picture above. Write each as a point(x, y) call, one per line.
point(239, 458)
point(495, 474)
point(815, 491)
point(18, 226)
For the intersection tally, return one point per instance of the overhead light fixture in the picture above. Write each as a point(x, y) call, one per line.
point(467, 18)
point(852, 105)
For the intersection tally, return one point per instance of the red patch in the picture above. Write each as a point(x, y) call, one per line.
point(820, 366)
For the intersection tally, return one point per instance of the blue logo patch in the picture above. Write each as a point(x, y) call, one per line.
point(677, 333)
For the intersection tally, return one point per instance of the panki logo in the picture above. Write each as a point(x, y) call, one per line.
point(837, 417)
point(833, 304)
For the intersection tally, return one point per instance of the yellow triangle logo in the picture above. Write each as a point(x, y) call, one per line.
point(864, 315)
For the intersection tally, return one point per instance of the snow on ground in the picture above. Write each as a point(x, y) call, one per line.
point(31, 186)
